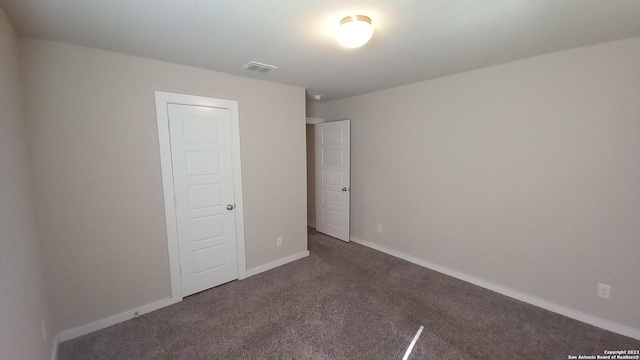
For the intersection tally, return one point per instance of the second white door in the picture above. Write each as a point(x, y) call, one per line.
point(333, 172)
point(203, 185)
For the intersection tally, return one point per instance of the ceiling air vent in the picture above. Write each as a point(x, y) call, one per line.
point(259, 67)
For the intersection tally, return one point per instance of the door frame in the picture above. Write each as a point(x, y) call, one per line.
point(163, 99)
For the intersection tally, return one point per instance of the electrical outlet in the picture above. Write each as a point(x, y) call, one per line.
point(604, 291)
point(279, 241)
point(379, 229)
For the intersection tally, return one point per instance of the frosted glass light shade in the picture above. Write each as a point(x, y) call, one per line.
point(355, 31)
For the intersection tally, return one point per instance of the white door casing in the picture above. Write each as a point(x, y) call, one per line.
point(200, 158)
point(333, 168)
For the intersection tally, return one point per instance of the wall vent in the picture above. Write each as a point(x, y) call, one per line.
point(259, 67)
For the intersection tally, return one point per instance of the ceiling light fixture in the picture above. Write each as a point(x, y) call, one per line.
point(355, 31)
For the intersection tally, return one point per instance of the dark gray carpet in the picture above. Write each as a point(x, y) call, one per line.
point(346, 301)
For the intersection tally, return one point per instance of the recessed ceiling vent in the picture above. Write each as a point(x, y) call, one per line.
point(259, 67)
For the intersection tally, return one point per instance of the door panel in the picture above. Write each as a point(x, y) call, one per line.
point(332, 177)
point(203, 184)
point(333, 198)
point(203, 196)
point(333, 152)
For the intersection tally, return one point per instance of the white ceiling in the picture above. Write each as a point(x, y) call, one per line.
point(414, 40)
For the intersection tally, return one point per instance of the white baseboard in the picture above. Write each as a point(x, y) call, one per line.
point(130, 314)
point(547, 305)
point(113, 320)
point(262, 268)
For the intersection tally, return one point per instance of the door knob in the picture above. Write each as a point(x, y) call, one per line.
point(345, 189)
point(229, 207)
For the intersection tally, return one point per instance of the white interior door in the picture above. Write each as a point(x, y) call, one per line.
point(333, 153)
point(203, 184)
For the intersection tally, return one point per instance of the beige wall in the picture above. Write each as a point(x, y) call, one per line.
point(524, 174)
point(23, 302)
point(96, 167)
point(311, 175)
point(312, 106)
